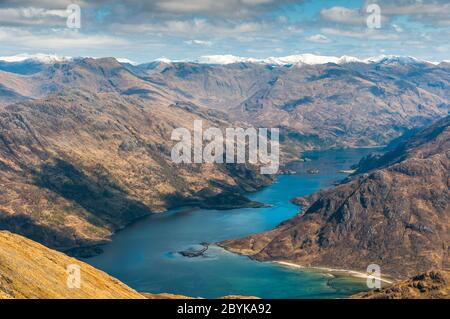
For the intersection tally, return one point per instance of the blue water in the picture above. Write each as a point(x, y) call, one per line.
point(145, 257)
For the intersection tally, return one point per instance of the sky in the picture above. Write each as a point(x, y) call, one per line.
point(143, 31)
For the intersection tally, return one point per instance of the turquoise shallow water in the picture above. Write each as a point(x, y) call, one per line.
point(145, 257)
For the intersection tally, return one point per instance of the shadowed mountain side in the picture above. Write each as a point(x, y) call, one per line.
point(97, 194)
point(82, 165)
point(396, 216)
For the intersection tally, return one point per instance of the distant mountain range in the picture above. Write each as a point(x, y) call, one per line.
point(307, 58)
point(317, 101)
point(85, 143)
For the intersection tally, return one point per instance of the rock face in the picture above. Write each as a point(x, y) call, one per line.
point(30, 270)
point(396, 215)
point(434, 284)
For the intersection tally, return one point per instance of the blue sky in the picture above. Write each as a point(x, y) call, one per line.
point(181, 29)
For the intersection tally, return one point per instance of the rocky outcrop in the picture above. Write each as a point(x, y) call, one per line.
point(30, 270)
point(396, 215)
point(433, 284)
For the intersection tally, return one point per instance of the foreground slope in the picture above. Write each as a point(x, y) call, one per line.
point(396, 215)
point(434, 284)
point(30, 270)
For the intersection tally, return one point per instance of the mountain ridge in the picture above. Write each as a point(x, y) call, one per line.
point(396, 216)
point(305, 58)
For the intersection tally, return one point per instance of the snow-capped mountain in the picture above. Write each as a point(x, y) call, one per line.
point(29, 63)
point(126, 61)
point(309, 59)
point(225, 59)
point(394, 59)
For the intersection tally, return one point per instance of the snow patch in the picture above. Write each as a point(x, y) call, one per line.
point(40, 57)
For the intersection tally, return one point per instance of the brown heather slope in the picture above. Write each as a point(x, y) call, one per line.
point(30, 270)
point(397, 215)
point(434, 284)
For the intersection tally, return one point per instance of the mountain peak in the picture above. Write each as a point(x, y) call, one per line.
point(286, 60)
point(393, 59)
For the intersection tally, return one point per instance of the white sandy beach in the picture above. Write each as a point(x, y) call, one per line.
point(352, 273)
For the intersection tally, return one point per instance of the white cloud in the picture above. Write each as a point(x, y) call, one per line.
point(417, 7)
point(32, 16)
point(216, 7)
point(56, 39)
point(431, 12)
point(343, 15)
point(193, 26)
point(318, 38)
point(369, 34)
point(198, 42)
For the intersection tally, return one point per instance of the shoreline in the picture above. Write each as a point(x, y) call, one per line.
point(351, 273)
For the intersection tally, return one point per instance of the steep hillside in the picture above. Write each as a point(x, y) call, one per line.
point(434, 284)
point(397, 215)
point(30, 270)
point(77, 166)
